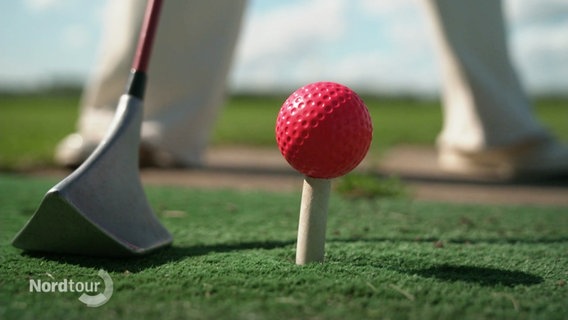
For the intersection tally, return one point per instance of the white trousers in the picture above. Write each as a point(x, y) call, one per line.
point(483, 103)
point(190, 59)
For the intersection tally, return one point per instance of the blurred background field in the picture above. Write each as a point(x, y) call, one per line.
point(32, 124)
point(50, 50)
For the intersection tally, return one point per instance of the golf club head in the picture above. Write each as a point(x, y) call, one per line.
point(101, 208)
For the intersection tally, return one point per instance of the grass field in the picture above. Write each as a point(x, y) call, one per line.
point(233, 259)
point(31, 126)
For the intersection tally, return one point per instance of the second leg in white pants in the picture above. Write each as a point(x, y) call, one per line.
point(489, 124)
point(186, 78)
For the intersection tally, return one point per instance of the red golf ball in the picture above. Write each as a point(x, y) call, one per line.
point(324, 130)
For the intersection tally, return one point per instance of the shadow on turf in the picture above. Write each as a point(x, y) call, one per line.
point(465, 241)
point(480, 275)
point(158, 258)
point(485, 276)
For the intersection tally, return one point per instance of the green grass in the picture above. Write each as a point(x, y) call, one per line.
point(233, 259)
point(369, 185)
point(31, 126)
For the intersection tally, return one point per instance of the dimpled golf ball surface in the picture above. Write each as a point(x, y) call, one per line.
point(324, 130)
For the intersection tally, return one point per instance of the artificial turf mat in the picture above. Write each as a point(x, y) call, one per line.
point(233, 259)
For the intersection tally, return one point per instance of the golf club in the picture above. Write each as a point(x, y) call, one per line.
point(101, 209)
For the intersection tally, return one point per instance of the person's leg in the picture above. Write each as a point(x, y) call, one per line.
point(107, 82)
point(186, 78)
point(489, 123)
point(187, 84)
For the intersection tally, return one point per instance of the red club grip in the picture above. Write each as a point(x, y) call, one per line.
point(147, 34)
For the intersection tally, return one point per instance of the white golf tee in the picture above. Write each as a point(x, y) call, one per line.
point(313, 220)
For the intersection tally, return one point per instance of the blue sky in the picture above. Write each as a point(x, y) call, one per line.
point(374, 45)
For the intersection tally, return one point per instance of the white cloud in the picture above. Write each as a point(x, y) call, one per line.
point(75, 36)
point(42, 5)
point(542, 55)
point(388, 9)
point(275, 44)
point(327, 40)
point(286, 29)
point(539, 43)
point(523, 12)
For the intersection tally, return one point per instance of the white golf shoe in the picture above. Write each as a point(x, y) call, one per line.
point(545, 159)
point(74, 149)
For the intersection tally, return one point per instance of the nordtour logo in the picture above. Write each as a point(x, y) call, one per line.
point(84, 287)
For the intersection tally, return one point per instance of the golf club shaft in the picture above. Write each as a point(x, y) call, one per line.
point(137, 82)
point(147, 33)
